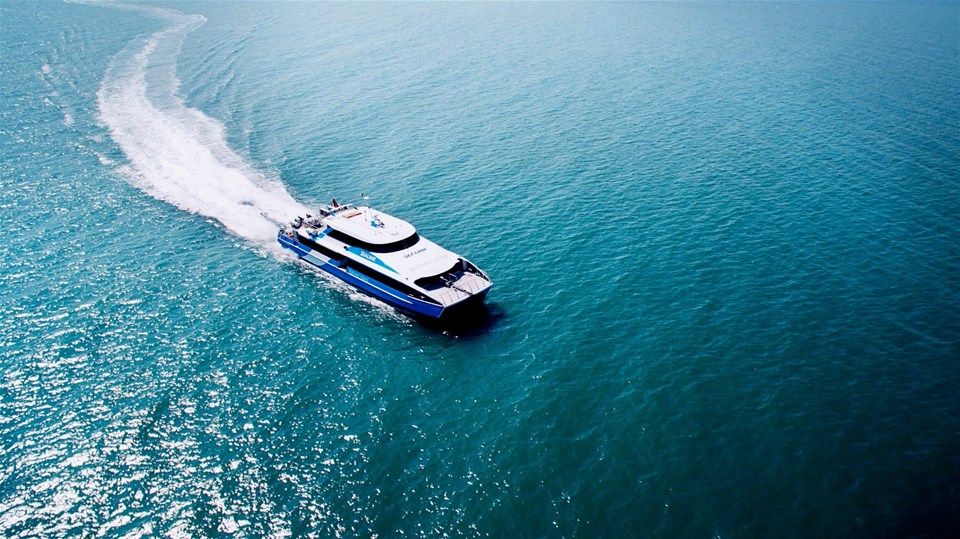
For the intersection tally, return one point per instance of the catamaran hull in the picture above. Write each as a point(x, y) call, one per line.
point(373, 287)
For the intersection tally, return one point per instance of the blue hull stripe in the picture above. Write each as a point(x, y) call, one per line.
point(362, 282)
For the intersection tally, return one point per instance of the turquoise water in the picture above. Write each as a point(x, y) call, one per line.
point(725, 242)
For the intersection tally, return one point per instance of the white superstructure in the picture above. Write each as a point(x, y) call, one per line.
point(384, 256)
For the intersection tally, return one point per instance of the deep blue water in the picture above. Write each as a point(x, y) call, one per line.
point(725, 241)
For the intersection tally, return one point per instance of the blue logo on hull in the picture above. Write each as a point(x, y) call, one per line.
point(372, 258)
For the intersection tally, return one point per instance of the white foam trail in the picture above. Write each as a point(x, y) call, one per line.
point(54, 99)
point(177, 153)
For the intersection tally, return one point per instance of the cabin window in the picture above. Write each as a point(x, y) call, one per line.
point(436, 281)
point(389, 281)
point(329, 253)
point(400, 245)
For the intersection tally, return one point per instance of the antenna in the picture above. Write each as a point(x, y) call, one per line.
point(366, 206)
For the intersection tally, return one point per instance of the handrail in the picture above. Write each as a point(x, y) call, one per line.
point(456, 290)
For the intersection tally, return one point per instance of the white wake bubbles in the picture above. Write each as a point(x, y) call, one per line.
point(177, 153)
point(54, 98)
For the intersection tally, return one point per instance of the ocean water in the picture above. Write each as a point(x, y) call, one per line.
point(724, 237)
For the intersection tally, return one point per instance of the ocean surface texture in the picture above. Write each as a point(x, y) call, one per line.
point(724, 237)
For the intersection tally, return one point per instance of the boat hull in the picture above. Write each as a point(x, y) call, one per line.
point(371, 286)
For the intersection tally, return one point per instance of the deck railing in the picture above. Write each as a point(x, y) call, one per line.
point(467, 285)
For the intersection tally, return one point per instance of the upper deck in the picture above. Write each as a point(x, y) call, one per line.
point(367, 225)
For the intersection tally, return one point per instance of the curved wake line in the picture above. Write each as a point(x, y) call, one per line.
point(176, 153)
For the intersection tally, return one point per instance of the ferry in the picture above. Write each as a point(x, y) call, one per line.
point(384, 257)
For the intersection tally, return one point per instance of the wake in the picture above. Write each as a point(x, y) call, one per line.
point(176, 153)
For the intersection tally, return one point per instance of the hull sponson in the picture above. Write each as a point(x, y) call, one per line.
point(362, 282)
